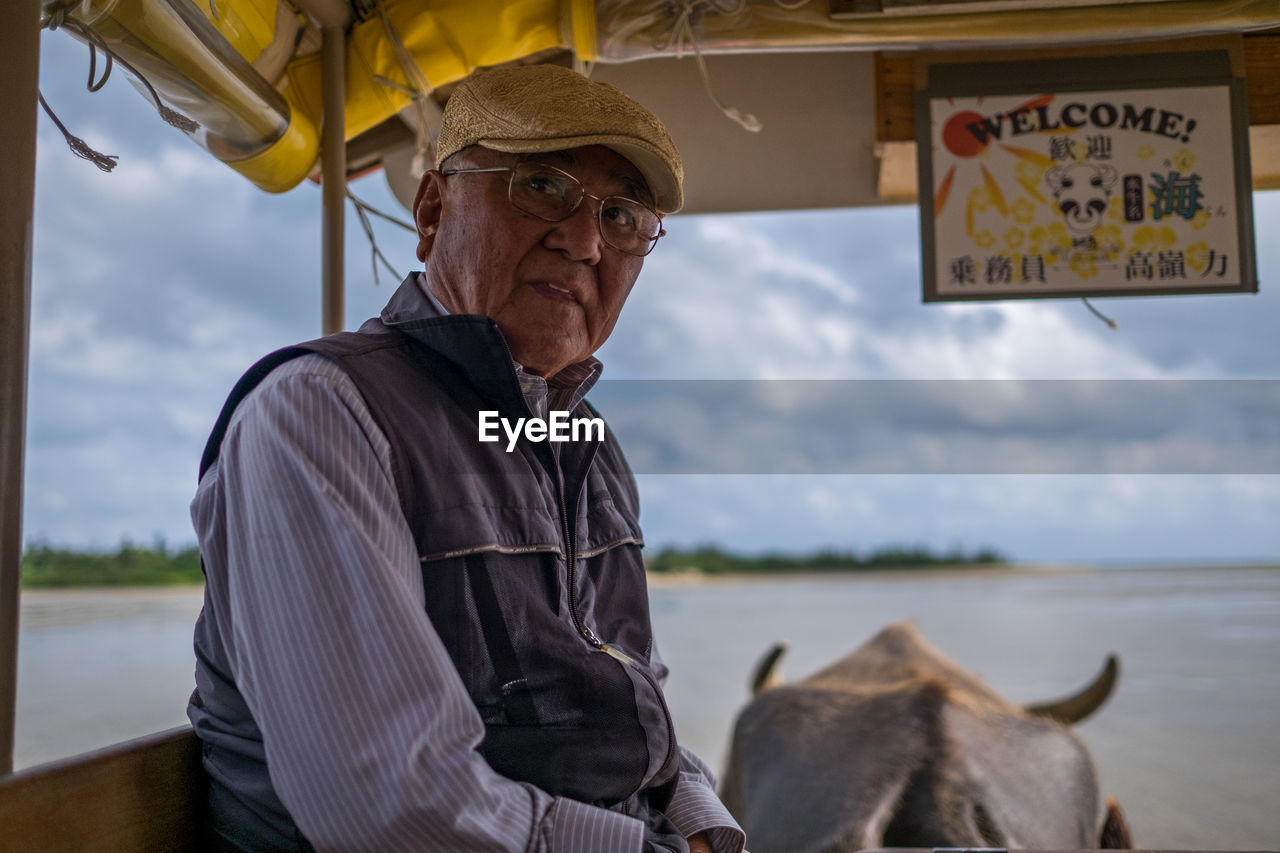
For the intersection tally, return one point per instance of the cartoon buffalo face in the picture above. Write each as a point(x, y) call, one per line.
point(1082, 191)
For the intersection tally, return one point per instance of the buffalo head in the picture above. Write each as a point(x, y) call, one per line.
point(1082, 191)
point(896, 746)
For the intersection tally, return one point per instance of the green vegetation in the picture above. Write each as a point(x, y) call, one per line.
point(129, 565)
point(710, 560)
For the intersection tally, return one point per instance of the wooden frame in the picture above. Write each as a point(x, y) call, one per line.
point(1175, 67)
point(145, 794)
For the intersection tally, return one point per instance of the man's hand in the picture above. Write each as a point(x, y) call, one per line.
point(699, 843)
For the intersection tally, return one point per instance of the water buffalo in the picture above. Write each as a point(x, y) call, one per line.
point(896, 746)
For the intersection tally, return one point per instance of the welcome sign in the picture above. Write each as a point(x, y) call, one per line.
point(1132, 182)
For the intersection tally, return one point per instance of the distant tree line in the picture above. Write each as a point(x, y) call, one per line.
point(129, 565)
point(710, 560)
point(46, 566)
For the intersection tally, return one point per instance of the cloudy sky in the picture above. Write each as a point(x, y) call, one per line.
point(157, 285)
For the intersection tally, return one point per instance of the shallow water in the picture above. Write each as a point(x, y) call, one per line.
point(1189, 744)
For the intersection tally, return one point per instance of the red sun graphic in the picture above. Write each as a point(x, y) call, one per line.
point(957, 137)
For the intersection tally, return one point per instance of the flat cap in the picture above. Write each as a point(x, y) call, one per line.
point(533, 108)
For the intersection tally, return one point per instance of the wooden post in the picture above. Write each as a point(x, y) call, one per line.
point(19, 67)
point(333, 165)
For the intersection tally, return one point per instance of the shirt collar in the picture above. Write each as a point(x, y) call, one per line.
point(564, 390)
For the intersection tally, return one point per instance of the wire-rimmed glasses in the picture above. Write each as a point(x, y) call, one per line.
point(553, 195)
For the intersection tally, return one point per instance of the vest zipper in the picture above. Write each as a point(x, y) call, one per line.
point(584, 630)
point(570, 559)
point(626, 659)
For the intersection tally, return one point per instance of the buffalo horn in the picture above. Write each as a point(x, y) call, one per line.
point(766, 673)
point(1073, 709)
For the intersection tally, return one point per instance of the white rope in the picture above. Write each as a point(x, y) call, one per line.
point(418, 90)
point(682, 33)
point(392, 84)
point(412, 73)
point(1103, 317)
point(747, 121)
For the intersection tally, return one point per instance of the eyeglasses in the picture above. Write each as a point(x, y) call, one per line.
point(553, 195)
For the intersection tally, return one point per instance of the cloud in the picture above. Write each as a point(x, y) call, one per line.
point(1044, 519)
point(943, 426)
point(783, 265)
point(715, 301)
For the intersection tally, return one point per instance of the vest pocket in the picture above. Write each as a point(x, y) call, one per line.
point(601, 762)
point(602, 525)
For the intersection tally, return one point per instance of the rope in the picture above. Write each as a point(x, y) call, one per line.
point(682, 33)
point(93, 66)
point(747, 121)
point(58, 14)
point(362, 212)
point(171, 116)
point(55, 13)
point(378, 213)
point(419, 90)
point(392, 84)
point(105, 162)
point(1103, 317)
point(412, 73)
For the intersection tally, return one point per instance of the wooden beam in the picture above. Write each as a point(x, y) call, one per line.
point(1262, 77)
point(895, 98)
point(1264, 156)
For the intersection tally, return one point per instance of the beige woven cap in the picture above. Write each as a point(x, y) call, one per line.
point(532, 108)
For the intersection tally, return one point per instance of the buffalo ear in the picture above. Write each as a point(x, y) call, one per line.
point(1115, 834)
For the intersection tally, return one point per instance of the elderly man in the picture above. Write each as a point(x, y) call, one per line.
point(415, 639)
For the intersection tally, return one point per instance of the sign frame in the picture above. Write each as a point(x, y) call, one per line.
point(1216, 62)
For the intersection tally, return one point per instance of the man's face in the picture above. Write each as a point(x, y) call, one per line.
point(555, 289)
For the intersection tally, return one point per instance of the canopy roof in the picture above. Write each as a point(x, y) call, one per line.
point(813, 99)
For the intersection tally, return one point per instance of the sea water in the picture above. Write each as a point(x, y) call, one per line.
point(1189, 744)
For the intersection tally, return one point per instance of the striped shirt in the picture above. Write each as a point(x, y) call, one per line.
point(314, 582)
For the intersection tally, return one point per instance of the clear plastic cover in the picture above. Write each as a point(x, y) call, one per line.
point(641, 29)
point(195, 71)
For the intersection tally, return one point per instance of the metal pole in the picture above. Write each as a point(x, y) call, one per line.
point(19, 69)
point(333, 165)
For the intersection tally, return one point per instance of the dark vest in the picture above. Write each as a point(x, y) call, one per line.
point(531, 565)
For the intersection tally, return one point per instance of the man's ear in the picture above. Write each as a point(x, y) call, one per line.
point(427, 205)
